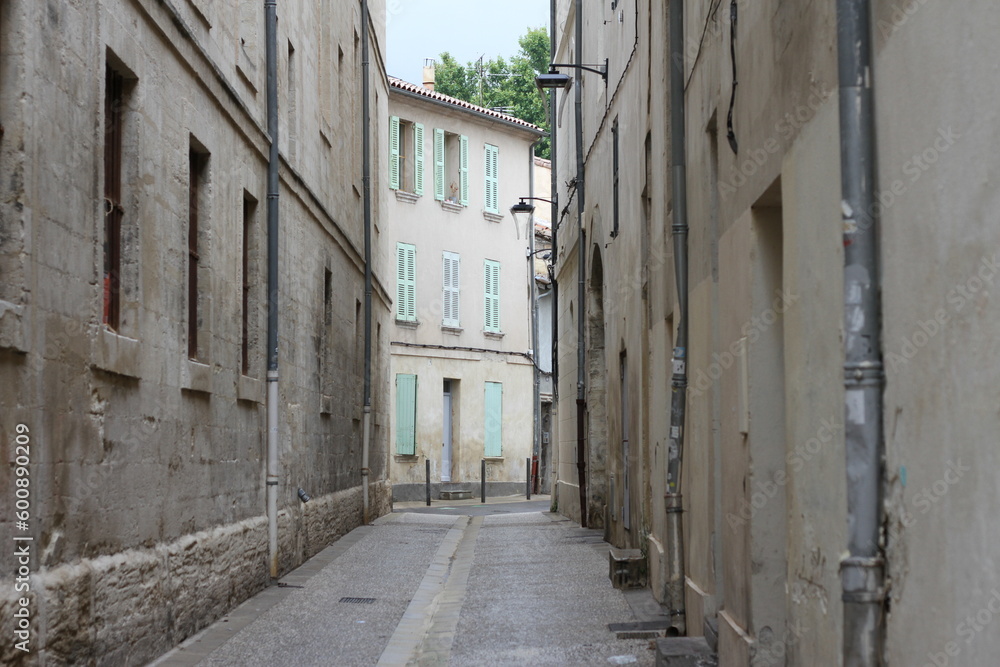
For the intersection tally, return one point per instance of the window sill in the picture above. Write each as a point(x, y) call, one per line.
point(407, 324)
point(407, 197)
point(249, 389)
point(326, 133)
point(494, 459)
point(492, 217)
point(202, 16)
point(12, 335)
point(495, 335)
point(452, 207)
point(196, 376)
point(406, 458)
point(453, 331)
point(248, 71)
point(116, 354)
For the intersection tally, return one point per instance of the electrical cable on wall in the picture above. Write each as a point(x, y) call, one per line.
point(731, 133)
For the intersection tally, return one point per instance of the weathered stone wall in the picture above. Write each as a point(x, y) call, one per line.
point(147, 467)
point(764, 479)
point(129, 607)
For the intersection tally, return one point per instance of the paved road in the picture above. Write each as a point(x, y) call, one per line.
point(512, 587)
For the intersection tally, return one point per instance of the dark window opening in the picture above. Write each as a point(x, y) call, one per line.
point(114, 212)
point(249, 205)
point(197, 163)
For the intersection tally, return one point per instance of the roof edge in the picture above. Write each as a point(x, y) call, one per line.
point(418, 92)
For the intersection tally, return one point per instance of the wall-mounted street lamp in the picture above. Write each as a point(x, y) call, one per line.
point(523, 210)
point(554, 79)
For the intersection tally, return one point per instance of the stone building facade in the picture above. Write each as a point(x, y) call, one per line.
point(461, 342)
point(764, 478)
point(133, 312)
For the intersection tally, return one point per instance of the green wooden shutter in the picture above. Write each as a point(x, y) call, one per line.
point(406, 414)
point(491, 296)
point(463, 170)
point(450, 289)
point(418, 159)
point(438, 164)
point(493, 420)
point(492, 179)
point(394, 152)
point(406, 282)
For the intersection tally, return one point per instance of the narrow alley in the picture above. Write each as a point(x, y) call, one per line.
point(718, 282)
point(508, 583)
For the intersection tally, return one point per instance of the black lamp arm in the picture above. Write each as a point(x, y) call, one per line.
point(596, 69)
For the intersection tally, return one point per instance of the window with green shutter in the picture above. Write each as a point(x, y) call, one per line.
point(463, 170)
point(406, 415)
point(449, 295)
point(439, 176)
point(491, 296)
point(418, 159)
point(406, 282)
point(493, 420)
point(492, 164)
point(394, 152)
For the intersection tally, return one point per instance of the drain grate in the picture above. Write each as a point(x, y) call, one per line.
point(357, 600)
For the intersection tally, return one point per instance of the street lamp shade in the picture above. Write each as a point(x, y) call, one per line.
point(522, 210)
point(522, 207)
point(552, 80)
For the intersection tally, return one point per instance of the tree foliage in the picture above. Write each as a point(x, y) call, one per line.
point(503, 84)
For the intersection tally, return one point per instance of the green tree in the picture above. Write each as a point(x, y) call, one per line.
point(503, 84)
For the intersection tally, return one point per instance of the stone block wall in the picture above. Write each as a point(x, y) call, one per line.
point(147, 495)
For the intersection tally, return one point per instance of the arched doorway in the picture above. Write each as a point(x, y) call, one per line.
point(597, 413)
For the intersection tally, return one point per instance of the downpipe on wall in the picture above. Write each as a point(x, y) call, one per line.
point(581, 343)
point(862, 575)
point(366, 178)
point(271, 20)
point(674, 505)
point(554, 218)
point(536, 433)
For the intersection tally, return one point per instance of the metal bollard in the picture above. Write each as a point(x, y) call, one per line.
point(527, 478)
point(482, 476)
point(427, 469)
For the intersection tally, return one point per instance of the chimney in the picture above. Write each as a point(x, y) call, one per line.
point(429, 65)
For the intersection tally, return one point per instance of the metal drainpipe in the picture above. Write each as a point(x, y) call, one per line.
point(678, 400)
point(581, 350)
point(366, 179)
point(535, 396)
point(271, 19)
point(862, 570)
point(554, 215)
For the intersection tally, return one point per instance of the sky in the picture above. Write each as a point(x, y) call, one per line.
point(467, 29)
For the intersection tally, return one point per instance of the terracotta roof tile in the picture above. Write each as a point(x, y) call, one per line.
point(434, 95)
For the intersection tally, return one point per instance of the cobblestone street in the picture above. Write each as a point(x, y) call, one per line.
point(500, 584)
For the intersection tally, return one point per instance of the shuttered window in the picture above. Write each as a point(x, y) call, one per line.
point(438, 164)
point(494, 419)
point(491, 296)
point(406, 414)
point(394, 152)
point(406, 282)
point(449, 295)
point(492, 165)
point(418, 159)
point(463, 170)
